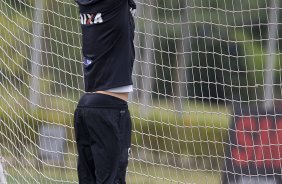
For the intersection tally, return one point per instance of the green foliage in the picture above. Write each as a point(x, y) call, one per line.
point(19, 123)
point(255, 61)
point(218, 70)
point(62, 41)
point(14, 43)
point(200, 134)
point(60, 71)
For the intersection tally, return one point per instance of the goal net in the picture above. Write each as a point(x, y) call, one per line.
point(206, 103)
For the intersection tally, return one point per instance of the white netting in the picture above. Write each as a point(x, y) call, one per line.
point(200, 65)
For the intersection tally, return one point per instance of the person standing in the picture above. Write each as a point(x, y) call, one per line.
point(102, 120)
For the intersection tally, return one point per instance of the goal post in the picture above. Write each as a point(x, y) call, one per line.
point(206, 105)
point(2, 173)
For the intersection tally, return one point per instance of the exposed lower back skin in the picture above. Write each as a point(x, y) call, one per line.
point(123, 96)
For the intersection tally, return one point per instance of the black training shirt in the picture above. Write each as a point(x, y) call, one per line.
point(107, 43)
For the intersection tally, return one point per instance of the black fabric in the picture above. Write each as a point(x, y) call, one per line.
point(132, 4)
point(103, 131)
point(100, 5)
point(107, 44)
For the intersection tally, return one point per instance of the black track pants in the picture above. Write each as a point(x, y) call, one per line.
point(103, 129)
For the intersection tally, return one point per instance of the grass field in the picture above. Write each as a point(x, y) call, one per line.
point(137, 174)
point(142, 174)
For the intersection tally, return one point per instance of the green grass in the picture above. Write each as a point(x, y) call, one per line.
point(150, 174)
point(47, 175)
point(138, 173)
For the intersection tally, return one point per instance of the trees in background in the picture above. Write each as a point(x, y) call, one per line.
point(216, 46)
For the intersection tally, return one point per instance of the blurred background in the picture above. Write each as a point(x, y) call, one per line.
point(195, 60)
